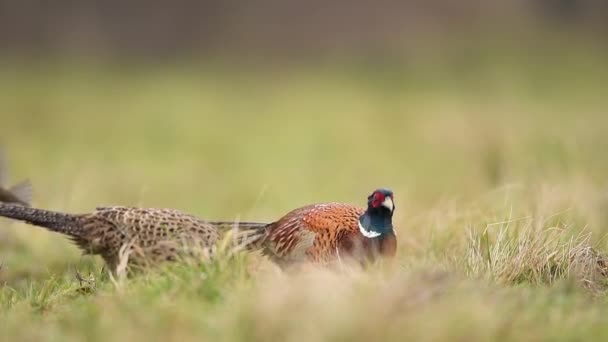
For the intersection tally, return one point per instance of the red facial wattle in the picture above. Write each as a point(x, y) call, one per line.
point(377, 199)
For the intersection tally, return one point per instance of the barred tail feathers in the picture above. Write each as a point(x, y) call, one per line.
point(51, 220)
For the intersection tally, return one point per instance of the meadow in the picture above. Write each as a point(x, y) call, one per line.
point(499, 171)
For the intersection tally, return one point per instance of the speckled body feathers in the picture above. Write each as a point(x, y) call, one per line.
point(147, 236)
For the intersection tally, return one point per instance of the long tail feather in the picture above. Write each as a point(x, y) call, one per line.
point(54, 221)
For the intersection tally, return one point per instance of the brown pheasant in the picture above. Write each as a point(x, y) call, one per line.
point(144, 237)
point(322, 233)
point(20, 193)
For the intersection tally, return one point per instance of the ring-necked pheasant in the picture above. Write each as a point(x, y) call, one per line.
point(325, 232)
point(20, 193)
point(144, 236)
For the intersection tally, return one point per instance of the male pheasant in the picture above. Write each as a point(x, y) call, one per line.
point(121, 235)
point(322, 233)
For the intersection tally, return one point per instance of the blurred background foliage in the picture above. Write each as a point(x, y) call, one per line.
point(290, 29)
point(238, 101)
point(487, 118)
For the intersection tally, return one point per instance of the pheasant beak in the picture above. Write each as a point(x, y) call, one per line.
point(388, 203)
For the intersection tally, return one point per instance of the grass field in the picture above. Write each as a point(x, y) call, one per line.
point(499, 171)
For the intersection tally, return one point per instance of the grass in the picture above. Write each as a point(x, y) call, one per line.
point(499, 174)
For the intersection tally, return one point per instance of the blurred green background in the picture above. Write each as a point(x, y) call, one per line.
point(472, 112)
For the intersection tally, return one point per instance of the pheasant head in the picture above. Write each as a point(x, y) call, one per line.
point(377, 221)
